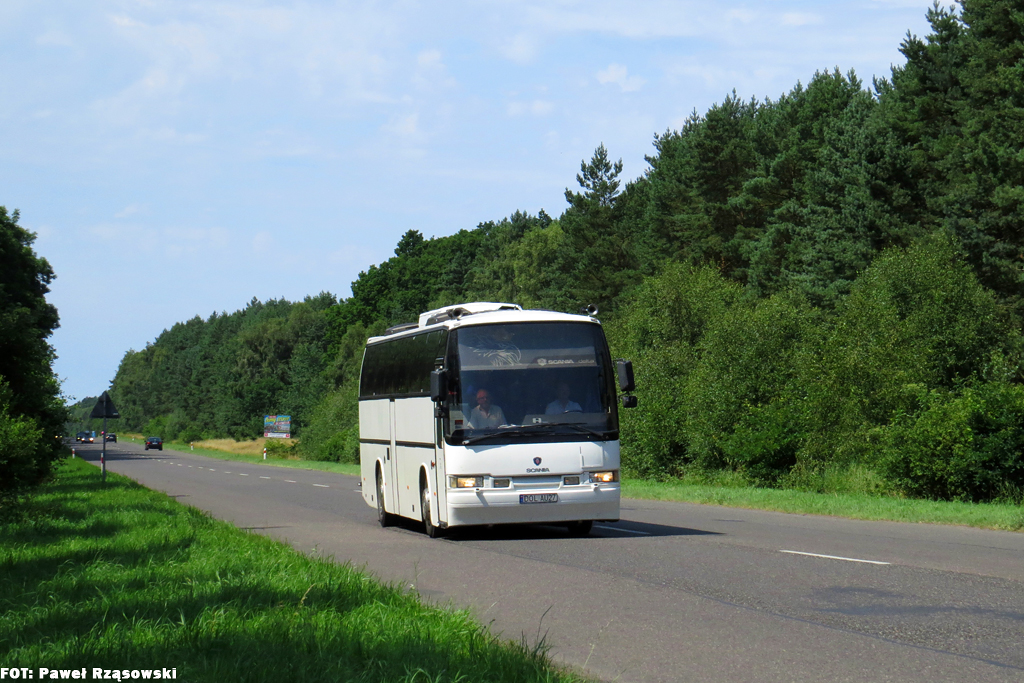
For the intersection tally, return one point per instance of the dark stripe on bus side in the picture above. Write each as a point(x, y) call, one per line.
point(415, 444)
point(393, 396)
point(379, 442)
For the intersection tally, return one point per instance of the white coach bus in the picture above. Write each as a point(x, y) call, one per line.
point(484, 413)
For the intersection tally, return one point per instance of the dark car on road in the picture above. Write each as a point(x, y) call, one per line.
point(84, 437)
point(111, 437)
point(154, 442)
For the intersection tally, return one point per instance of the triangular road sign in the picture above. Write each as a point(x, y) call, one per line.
point(104, 408)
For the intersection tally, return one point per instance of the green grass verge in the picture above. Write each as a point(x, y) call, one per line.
point(120, 577)
point(339, 467)
point(1003, 516)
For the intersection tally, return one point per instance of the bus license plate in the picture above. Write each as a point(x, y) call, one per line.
point(537, 498)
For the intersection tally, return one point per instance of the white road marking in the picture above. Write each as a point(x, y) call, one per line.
point(833, 557)
point(242, 474)
point(212, 470)
point(264, 477)
point(290, 481)
point(628, 531)
point(323, 486)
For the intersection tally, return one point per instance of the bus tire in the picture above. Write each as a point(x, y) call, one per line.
point(428, 525)
point(383, 516)
point(581, 528)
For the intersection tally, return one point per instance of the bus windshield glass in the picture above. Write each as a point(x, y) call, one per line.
point(530, 381)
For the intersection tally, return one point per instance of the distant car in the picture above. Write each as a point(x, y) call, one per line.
point(154, 442)
point(112, 437)
point(84, 437)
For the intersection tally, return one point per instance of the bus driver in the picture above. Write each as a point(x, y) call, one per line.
point(485, 415)
point(562, 404)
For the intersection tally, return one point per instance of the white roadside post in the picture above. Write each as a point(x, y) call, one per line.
point(104, 408)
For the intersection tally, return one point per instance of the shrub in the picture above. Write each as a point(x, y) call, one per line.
point(22, 452)
point(660, 330)
point(744, 399)
point(157, 426)
point(333, 430)
point(189, 434)
point(280, 448)
point(917, 320)
point(966, 445)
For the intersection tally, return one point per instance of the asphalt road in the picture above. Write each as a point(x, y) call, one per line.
point(673, 592)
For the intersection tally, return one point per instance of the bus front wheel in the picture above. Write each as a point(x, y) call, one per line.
point(432, 531)
point(383, 516)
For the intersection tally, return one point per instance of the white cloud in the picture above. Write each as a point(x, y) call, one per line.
point(637, 20)
point(54, 38)
point(405, 126)
point(536, 108)
point(170, 135)
point(263, 242)
point(744, 16)
point(335, 53)
point(800, 19)
point(430, 72)
point(619, 75)
point(129, 210)
point(521, 48)
point(351, 255)
point(172, 241)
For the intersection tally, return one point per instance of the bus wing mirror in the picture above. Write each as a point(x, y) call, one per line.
point(625, 371)
point(438, 385)
point(629, 401)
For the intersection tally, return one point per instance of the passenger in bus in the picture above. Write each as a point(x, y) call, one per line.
point(485, 414)
point(562, 404)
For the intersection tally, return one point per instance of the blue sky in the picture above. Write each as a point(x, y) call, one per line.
point(178, 158)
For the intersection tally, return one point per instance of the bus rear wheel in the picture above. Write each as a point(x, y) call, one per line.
point(581, 528)
point(432, 531)
point(383, 516)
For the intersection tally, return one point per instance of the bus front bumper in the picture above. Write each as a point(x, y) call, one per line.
point(501, 506)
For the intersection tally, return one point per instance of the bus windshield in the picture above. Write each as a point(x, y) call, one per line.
point(530, 381)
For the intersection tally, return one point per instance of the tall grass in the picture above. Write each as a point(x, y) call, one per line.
point(117, 576)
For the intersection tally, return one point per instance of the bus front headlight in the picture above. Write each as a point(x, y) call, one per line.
point(604, 477)
point(465, 482)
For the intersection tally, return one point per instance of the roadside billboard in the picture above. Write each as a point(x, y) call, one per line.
point(277, 426)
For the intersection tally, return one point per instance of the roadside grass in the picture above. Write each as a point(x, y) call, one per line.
point(1001, 516)
point(251, 447)
point(120, 577)
point(273, 459)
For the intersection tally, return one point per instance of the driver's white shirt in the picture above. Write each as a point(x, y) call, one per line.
point(556, 407)
point(478, 420)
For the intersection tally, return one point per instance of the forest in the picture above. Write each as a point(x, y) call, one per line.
point(820, 291)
